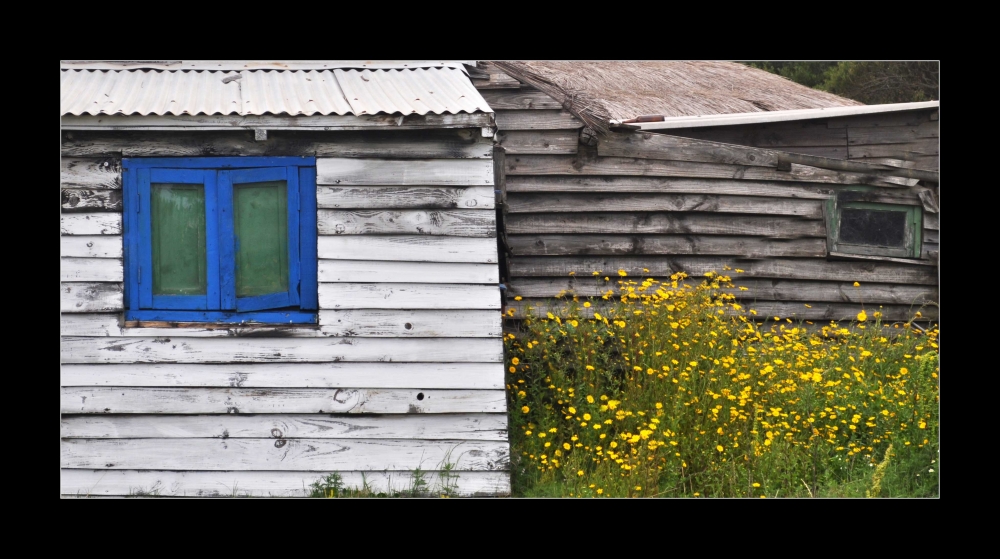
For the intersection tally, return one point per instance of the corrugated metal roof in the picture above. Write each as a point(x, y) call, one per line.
point(779, 116)
point(446, 90)
point(261, 92)
point(237, 65)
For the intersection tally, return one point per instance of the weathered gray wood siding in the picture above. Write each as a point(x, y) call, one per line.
point(403, 371)
point(574, 211)
point(911, 136)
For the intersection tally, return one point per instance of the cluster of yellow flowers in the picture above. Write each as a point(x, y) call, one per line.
point(674, 384)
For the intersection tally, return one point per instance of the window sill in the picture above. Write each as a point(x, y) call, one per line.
point(200, 319)
point(848, 256)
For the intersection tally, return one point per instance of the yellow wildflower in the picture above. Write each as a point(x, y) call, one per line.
point(525, 409)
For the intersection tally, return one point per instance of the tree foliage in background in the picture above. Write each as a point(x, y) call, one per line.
point(869, 82)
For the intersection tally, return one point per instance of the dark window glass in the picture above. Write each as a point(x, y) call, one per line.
point(178, 243)
point(873, 227)
point(261, 217)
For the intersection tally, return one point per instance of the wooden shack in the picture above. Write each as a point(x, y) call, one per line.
point(698, 166)
point(276, 271)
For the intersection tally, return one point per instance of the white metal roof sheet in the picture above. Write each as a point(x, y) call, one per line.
point(269, 92)
point(237, 65)
point(439, 90)
point(779, 116)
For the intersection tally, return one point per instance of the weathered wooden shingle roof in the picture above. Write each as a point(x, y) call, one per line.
point(599, 92)
point(324, 89)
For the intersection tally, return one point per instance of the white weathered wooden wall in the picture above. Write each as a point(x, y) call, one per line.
point(404, 370)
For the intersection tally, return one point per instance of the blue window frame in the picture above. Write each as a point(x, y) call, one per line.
point(220, 239)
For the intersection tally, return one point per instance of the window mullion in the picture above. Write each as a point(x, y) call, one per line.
point(212, 239)
point(227, 242)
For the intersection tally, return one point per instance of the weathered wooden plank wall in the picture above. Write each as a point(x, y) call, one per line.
point(908, 136)
point(577, 208)
point(404, 369)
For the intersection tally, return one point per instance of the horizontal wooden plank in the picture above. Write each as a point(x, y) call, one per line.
point(777, 268)
point(91, 200)
point(390, 172)
point(535, 119)
point(409, 248)
point(892, 134)
point(665, 185)
point(757, 289)
point(274, 122)
point(833, 152)
point(647, 145)
point(90, 172)
point(931, 236)
point(538, 141)
point(625, 166)
point(276, 350)
point(766, 310)
point(909, 150)
point(91, 269)
point(91, 246)
point(523, 98)
point(458, 223)
point(86, 324)
point(750, 247)
point(496, 80)
point(85, 297)
point(478, 427)
point(895, 118)
point(411, 323)
point(405, 144)
point(838, 311)
point(778, 135)
point(91, 224)
point(407, 296)
point(585, 202)
point(932, 221)
point(393, 198)
point(665, 223)
point(406, 272)
point(116, 483)
point(86, 399)
point(322, 455)
point(477, 376)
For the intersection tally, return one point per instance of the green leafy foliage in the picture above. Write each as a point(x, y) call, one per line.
point(870, 82)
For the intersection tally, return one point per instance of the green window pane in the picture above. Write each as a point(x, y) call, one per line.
point(178, 239)
point(261, 222)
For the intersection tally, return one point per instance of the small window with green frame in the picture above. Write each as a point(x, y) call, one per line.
point(856, 225)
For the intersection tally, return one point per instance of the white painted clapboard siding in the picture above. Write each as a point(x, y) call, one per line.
point(470, 426)
point(411, 323)
point(459, 223)
point(98, 223)
point(250, 350)
point(407, 296)
point(91, 246)
point(90, 297)
point(365, 323)
point(433, 172)
point(94, 483)
point(396, 197)
point(282, 454)
point(86, 399)
point(406, 272)
point(412, 248)
point(93, 269)
point(481, 376)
